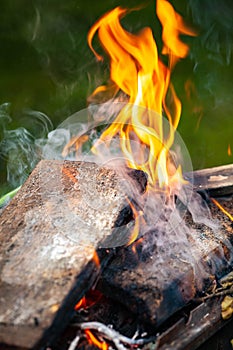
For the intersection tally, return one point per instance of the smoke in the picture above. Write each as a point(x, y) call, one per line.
point(172, 220)
point(165, 216)
point(20, 148)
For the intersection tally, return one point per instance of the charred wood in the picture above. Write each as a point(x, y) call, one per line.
point(156, 281)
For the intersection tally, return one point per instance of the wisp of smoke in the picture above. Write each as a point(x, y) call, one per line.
point(20, 147)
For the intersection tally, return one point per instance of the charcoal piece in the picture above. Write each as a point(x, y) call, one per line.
point(140, 179)
point(49, 234)
point(155, 279)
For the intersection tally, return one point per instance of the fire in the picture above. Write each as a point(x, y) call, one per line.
point(69, 174)
point(90, 299)
point(222, 209)
point(81, 304)
point(138, 71)
point(76, 142)
point(229, 152)
point(93, 296)
point(95, 259)
point(93, 340)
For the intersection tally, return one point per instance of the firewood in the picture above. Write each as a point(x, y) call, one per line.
point(49, 234)
point(155, 281)
point(217, 181)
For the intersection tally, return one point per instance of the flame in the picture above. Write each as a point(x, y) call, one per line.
point(76, 142)
point(93, 340)
point(93, 296)
point(137, 70)
point(90, 299)
point(222, 209)
point(135, 230)
point(82, 304)
point(95, 259)
point(229, 152)
point(136, 244)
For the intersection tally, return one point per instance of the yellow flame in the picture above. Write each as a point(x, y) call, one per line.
point(93, 340)
point(137, 70)
point(222, 209)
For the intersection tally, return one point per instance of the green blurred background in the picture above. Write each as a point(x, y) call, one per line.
point(46, 66)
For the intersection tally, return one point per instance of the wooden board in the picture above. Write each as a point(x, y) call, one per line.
point(41, 280)
point(194, 328)
point(217, 181)
point(155, 280)
point(48, 235)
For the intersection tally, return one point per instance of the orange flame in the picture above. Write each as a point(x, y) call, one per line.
point(82, 304)
point(93, 296)
point(222, 209)
point(93, 340)
point(134, 232)
point(229, 152)
point(137, 70)
point(95, 259)
point(75, 142)
point(90, 299)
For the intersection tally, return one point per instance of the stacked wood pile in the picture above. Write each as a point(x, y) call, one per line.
point(51, 237)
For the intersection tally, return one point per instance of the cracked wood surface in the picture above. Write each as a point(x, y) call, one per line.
point(49, 233)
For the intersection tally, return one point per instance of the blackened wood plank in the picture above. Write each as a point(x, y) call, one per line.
point(157, 276)
point(190, 332)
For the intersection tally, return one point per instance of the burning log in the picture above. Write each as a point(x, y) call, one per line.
point(49, 235)
point(156, 280)
point(55, 232)
point(49, 260)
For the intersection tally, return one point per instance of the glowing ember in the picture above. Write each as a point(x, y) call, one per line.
point(137, 70)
